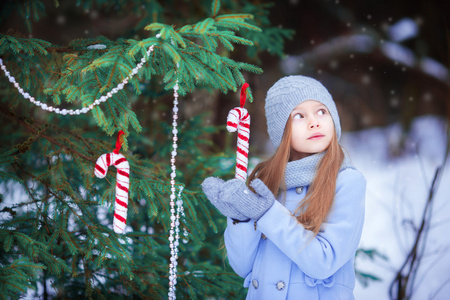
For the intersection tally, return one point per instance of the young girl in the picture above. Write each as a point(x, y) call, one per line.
point(294, 232)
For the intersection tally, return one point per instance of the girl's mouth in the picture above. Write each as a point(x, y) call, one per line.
point(316, 136)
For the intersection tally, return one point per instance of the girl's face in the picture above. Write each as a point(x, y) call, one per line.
point(312, 129)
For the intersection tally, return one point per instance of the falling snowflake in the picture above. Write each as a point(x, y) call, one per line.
point(61, 20)
point(334, 64)
point(93, 14)
point(394, 102)
point(427, 97)
point(366, 120)
point(365, 79)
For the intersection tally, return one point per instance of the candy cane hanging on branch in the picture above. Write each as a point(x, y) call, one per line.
point(122, 182)
point(239, 119)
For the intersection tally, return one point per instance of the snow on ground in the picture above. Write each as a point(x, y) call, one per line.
point(397, 190)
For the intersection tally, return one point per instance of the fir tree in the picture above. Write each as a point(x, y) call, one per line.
point(56, 227)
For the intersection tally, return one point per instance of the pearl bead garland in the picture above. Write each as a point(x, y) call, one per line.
point(83, 110)
point(174, 218)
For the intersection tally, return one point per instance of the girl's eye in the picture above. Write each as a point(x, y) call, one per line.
point(322, 112)
point(297, 116)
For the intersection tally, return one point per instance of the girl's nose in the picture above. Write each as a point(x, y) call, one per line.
point(314, 123)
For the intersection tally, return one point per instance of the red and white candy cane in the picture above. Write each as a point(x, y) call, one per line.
point(122, 183)
point(239, 119)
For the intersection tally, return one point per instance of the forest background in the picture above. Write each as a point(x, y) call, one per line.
point(385, 63)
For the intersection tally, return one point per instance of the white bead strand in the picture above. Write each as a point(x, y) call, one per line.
point(174, 218)
point(83, 110)
point(180, 214)
point(174, 248)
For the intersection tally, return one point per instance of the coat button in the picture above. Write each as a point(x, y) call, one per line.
point(281, 285)
point(255, 283)
point(299, 189)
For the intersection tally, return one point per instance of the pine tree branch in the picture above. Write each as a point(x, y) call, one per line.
point(51, 140)
point(71, 50)
point(35, 201)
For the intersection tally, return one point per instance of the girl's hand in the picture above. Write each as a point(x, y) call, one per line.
point(251, 205)
point(213, 189)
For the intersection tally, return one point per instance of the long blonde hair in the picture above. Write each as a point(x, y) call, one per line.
point(315, 207)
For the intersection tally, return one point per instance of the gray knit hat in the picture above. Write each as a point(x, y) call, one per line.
point(286, 94)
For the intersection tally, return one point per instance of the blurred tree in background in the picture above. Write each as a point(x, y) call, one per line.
point(55, 231)
point(383, 61)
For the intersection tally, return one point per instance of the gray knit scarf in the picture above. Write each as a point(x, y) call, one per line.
point(301, 172)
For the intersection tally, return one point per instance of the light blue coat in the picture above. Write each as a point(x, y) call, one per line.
point(281, 260)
